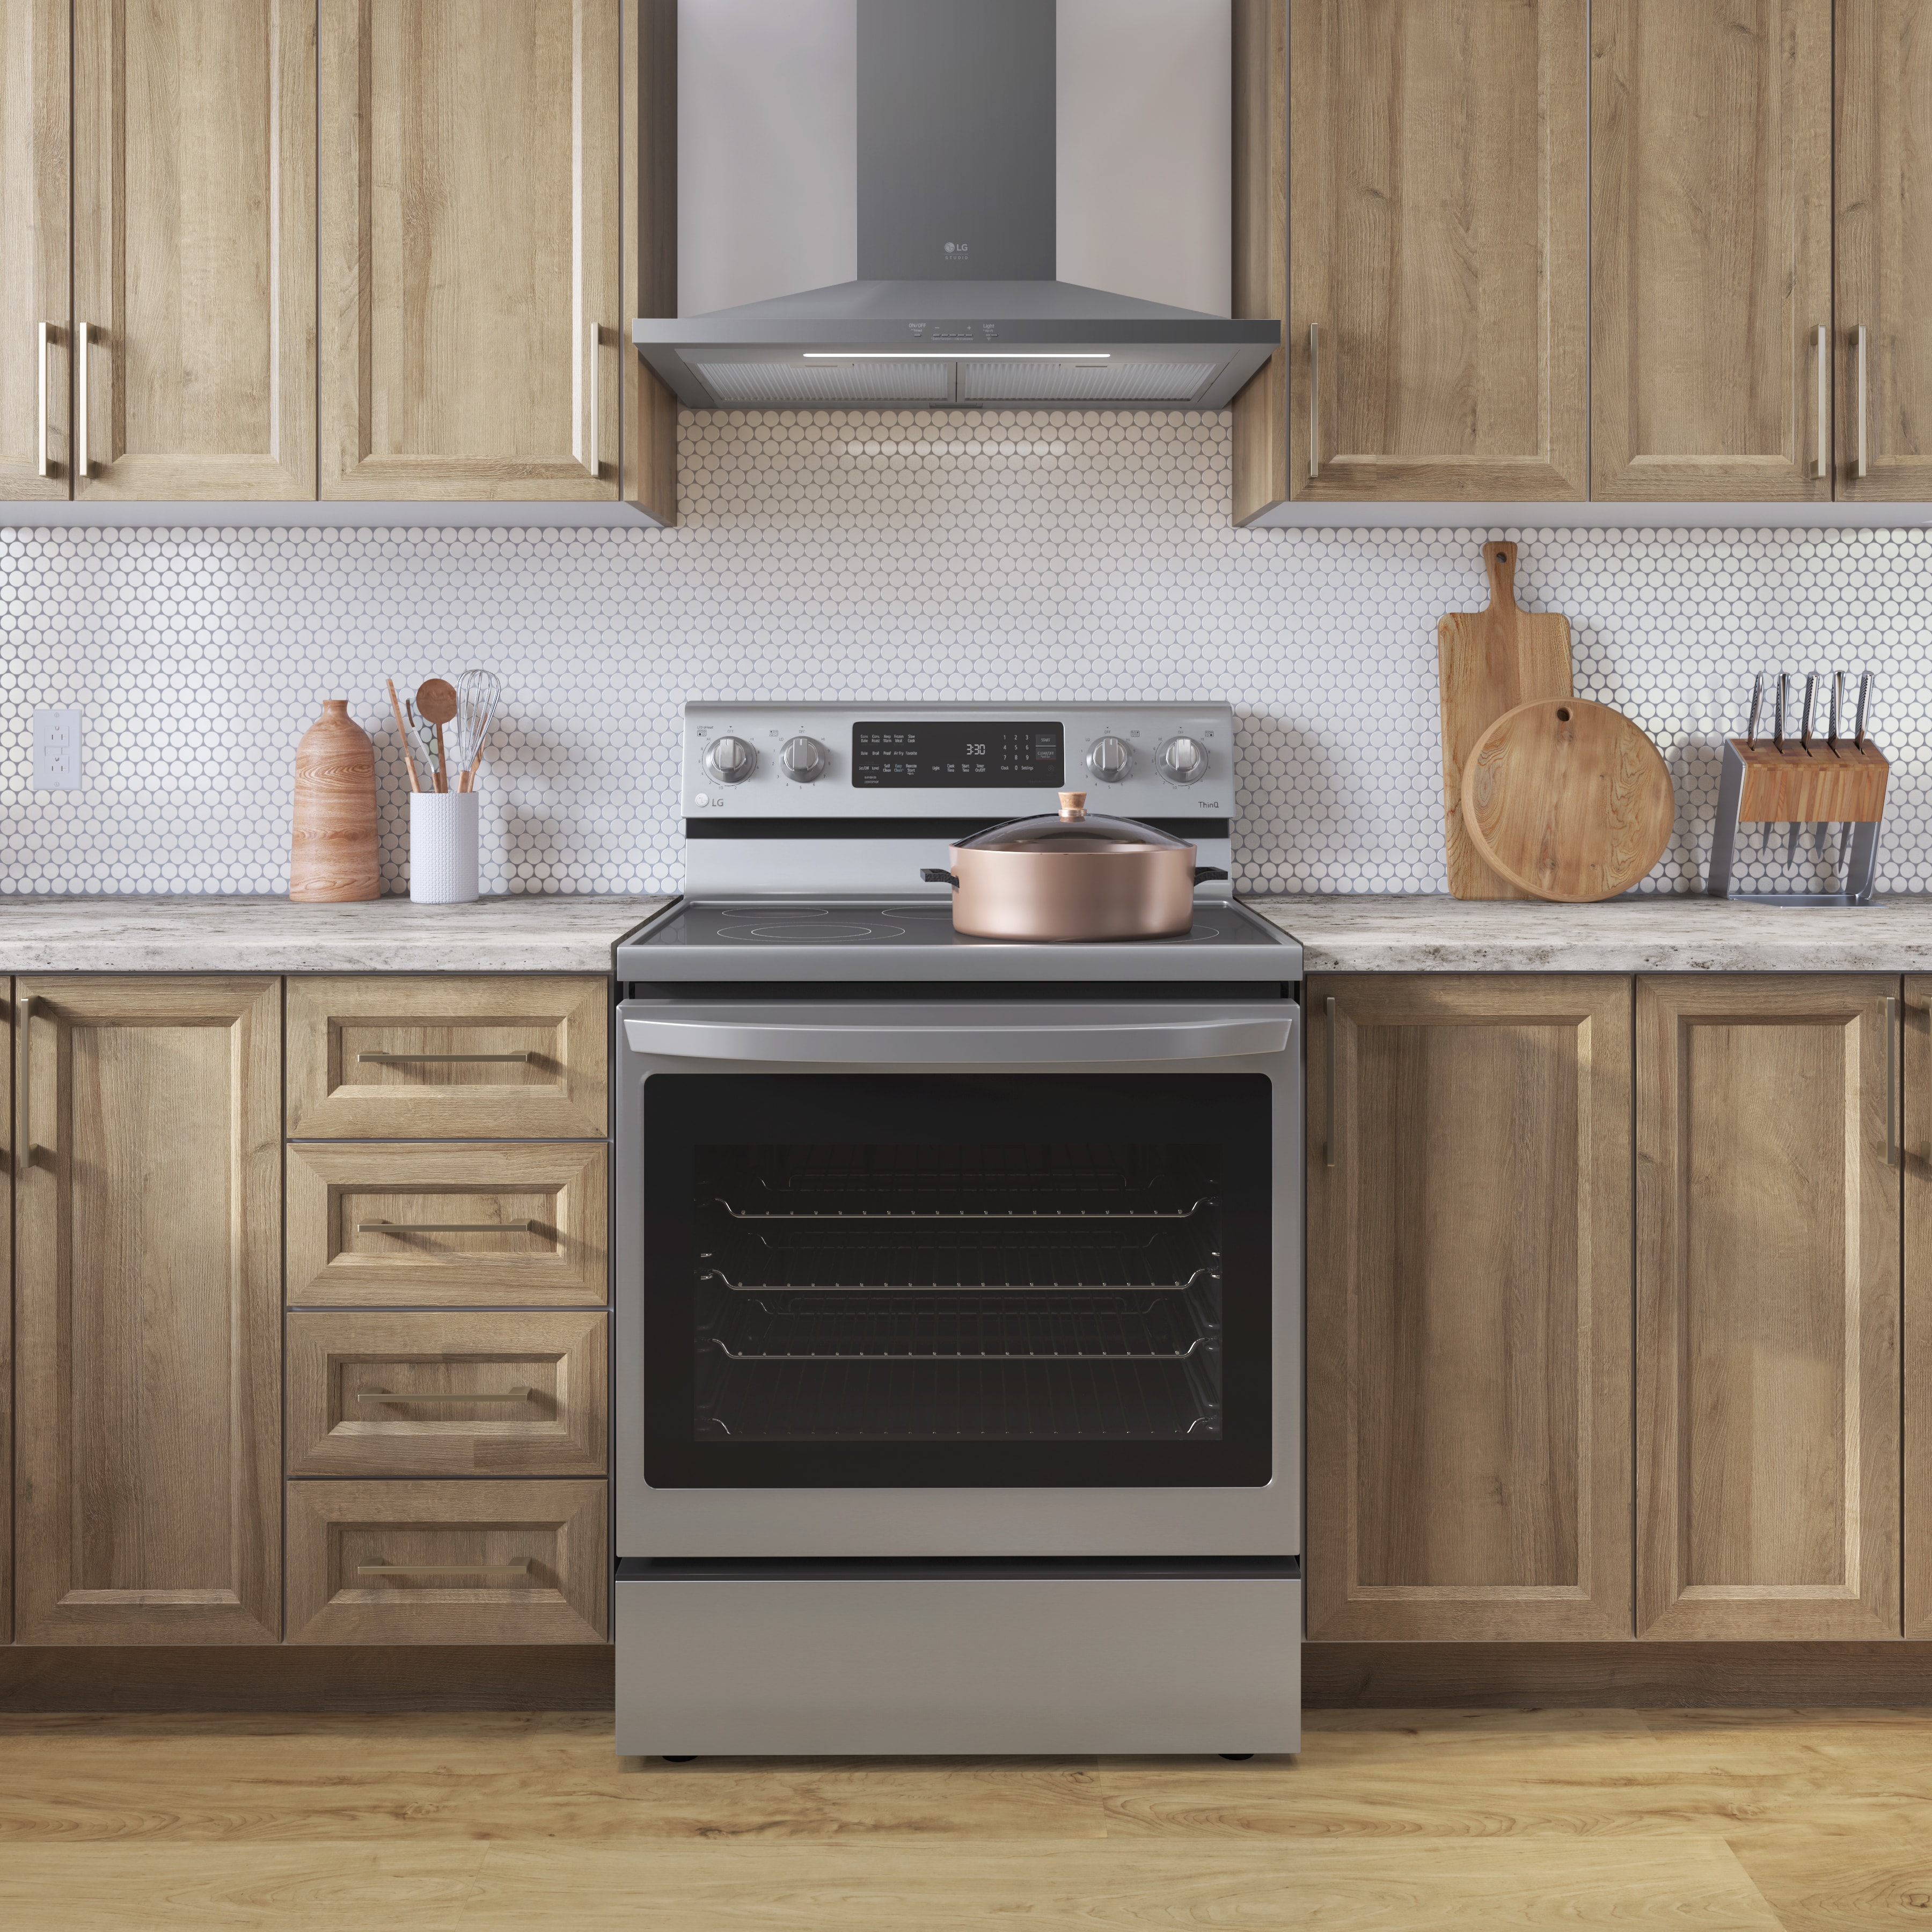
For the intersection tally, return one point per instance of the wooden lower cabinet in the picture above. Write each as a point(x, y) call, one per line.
point(1469, 1308)
point(440, 1563)
point(1768, 1213)
point(148, 1316)
point(1916, 1159)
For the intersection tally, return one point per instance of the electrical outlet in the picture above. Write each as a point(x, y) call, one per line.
point(57, 751)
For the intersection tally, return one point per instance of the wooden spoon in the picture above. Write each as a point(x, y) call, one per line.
point(435, 699)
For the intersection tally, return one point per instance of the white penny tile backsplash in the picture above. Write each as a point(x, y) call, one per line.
point(893, 556)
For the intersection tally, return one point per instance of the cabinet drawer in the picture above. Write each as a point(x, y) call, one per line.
point(445, 1223)
point(447, 1563)
point(517, 1394)
point(487, 1057)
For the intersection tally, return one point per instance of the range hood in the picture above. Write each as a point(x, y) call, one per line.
point(955, 304)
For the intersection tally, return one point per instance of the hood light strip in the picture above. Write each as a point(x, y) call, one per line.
point(939, 353)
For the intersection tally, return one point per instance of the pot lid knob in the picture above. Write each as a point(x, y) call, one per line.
point(1072, 805)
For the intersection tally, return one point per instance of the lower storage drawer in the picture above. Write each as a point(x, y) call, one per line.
point(437, 1394)
point(804, 1659)
point(477, 1562)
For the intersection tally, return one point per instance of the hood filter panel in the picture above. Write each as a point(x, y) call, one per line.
point(784, 386)
point(1119, 382)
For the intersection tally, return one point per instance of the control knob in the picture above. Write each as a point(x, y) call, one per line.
point(1110, 759)
point(730, 760)
point(802, 758)
point(1183, 759)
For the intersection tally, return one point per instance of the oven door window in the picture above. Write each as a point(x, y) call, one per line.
point(907, 1281)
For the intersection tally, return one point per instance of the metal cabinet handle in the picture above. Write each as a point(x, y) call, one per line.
point(1890, 1081)
point(1862, 399)
point(596, 359)
point(43, 436)
point(391, 1395)
point(26, 1080)
point(1329, 1150)
point(522, 1569)
point(446, 1228)
point(1824, 401)
point(82, 335)
point(399, 1059)
point(1314, 401)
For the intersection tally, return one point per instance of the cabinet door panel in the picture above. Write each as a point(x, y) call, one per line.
point(148, 1310)
point(1437, 242)
point(1711, 243)
point(469, 248)
point(34, 146)
point(1916, 1159)
point(1468, 1309)
point(1883, 234)
point(194, 247)
point(1768, 1309)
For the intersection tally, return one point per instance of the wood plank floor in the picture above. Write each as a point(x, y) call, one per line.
point(1758, 1820)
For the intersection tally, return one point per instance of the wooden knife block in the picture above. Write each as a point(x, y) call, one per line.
point(1796, 787)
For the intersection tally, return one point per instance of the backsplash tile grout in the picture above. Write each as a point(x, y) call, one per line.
point(1016, 556)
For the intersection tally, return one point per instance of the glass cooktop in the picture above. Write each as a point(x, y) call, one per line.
point(914, 939)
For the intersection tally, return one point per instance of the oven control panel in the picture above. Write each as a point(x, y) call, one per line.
point(765, 761)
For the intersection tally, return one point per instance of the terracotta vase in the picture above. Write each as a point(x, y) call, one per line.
point(332, 857)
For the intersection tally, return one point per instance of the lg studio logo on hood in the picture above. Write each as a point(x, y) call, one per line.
point(955, 251)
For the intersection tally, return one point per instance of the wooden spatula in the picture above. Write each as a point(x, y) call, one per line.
point(1489, 662)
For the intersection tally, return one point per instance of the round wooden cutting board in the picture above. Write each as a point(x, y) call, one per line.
point(1567, 799)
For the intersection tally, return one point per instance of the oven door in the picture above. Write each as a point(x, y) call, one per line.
point(991, 1278)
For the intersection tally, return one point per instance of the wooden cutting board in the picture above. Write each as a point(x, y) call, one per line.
point(1568, 800)
point(1489, 662)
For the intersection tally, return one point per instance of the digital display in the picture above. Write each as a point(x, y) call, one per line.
point(912, 755)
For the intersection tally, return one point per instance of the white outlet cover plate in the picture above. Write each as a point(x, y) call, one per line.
point(57, 751)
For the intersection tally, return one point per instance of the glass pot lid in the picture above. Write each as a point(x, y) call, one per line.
point(1072, 829)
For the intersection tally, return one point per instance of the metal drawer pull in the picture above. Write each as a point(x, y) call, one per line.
point(448, 1228)
point(1862, 399)
point(522, 1569)
point(398, 1059)
point(1891, 1082)
point(1824, 402)
point(1329, 1152)
point(83, 335)
point(1314, 401)
point(391, 1395)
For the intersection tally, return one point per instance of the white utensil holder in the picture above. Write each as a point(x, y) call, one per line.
point(442, 847)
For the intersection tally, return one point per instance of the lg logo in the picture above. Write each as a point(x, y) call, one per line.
point(955, 248)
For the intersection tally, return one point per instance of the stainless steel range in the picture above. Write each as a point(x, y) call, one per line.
point(959, 1349)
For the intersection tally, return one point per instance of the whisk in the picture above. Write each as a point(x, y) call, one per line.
point(477, 693)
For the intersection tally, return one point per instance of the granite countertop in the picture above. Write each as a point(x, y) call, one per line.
point(214, 933)
point(1431, 932)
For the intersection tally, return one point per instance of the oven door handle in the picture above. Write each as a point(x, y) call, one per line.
point(878, 1043)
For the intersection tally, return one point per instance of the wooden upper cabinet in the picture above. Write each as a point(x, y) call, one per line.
point(1883, 230)
point(35, 311)
point(194, 248)
point(1469, 1308)
point(648, 31)
point(1767, 1307)
point(148, 1319)
point(1258, 258)
point(1437, 250)
point(1711, 230)
point(469, 249)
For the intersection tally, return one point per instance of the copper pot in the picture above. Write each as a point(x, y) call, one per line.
point(1071, 877)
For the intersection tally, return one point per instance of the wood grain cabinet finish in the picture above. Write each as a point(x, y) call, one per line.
point(147, 1311)
point(1258, 258)
point(447, 1224)
point(1883, 233)
point(194, 274)
point(1469, 1308)
point(1711, 243)
point(1916, 1109)
point(481, 1562)
point(469, 249)
point(484, 1057)
point(1767, 1211)
point(35, 301)
point(521, 1394)
point(6, 1170)
point(1438, 249)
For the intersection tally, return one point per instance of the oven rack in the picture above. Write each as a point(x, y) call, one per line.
point(1038, 1401)
point(979, 1267)
point(1154, 1327)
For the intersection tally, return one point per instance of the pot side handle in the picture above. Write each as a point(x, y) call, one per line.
point(1207, 872)
point(937, 875)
